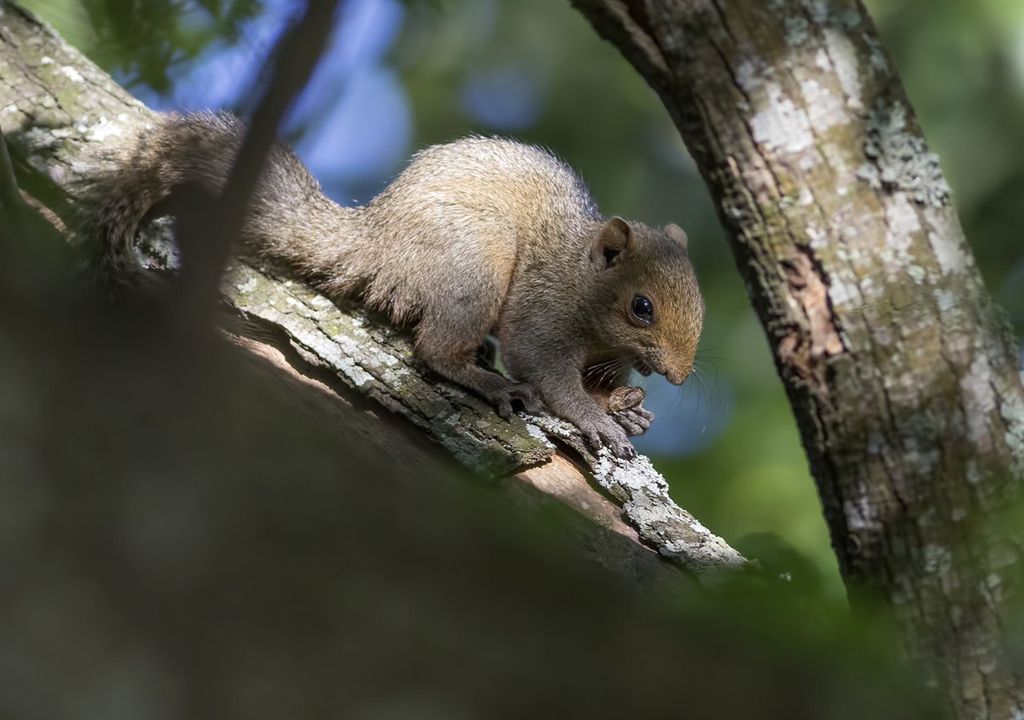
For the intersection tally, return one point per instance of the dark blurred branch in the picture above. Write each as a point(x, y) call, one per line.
point(10, 198)
point(207, 242)
point(36, 272)
point(350, 354)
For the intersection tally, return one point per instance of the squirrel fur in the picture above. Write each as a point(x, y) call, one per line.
point(478, 237)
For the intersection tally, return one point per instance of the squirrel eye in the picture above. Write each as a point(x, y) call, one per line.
point(642, 309)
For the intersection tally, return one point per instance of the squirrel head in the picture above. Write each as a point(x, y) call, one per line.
point(649, 307)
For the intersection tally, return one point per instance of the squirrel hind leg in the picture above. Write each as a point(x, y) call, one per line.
point(504, 394)
point(449, 348)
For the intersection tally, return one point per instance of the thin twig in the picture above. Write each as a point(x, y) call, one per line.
point(211, 239)
point(10, 197)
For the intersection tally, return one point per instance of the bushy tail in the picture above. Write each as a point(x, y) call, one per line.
point(181, 162)
point(137, 177)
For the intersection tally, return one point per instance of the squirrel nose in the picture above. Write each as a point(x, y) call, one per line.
point(677, 375)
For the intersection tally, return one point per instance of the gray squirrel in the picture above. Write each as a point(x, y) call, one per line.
point(478, 237)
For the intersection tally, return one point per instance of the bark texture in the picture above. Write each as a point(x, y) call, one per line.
point(57, 110)
point(901, 373)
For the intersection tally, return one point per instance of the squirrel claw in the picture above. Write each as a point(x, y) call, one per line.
point(504, 408)
point(608, 434)
point(624, 452)
point(521, 394)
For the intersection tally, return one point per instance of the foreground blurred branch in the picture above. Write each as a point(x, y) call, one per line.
point(902, 375)
point(57, 109)
point(212, 235)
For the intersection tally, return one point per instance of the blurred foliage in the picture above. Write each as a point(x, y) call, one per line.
point(183, 535)
point(535, 69)
point(145, 38)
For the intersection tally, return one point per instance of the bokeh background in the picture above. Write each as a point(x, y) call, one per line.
point(401, 75)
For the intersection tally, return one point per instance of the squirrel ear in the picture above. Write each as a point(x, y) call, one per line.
point(678, 234)
point(615, 238)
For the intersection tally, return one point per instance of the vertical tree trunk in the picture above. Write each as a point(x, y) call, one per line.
point(901, 373)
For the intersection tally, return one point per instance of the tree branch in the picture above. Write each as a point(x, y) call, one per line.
point(58, 110)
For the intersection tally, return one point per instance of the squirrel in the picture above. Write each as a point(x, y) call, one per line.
point(475, 238)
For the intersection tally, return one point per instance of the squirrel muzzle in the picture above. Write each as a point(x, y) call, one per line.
point(676, 378)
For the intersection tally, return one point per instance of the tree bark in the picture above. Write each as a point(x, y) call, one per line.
point(58, 110)
point(901, 373)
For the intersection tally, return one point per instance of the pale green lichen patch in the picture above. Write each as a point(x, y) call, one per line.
point(39, 140)
point(859, 512)
point(898, 159)
point(104, 129)
point(538, 434)
point(903, 227)
point(633, 475)
point(824, 108)
point(71, 74)
point(246, 286)
point(950, 255)
point(937, 559)
point(672, 531)
point(797, 29)
point(780, 124)
point(946, 301)
point(979, 401)
point(748, 76)
point(876, 56)
point(843, 291)
point(843, 56)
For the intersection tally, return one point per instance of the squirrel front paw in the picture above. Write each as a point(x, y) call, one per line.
point(603, 430)
point(635, 421)
point(521, 393)
point(624, 406)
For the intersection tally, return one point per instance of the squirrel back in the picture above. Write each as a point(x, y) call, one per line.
point(474, 200)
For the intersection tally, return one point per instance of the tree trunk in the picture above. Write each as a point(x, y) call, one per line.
point(901, 372)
